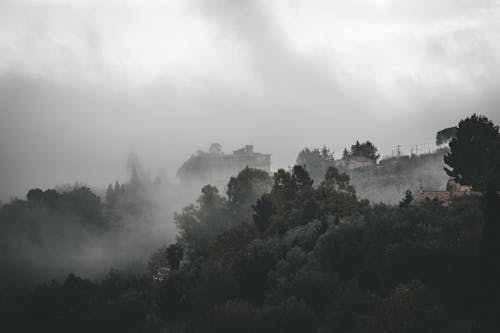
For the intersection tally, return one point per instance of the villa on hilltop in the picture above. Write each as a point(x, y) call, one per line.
point(215, 166)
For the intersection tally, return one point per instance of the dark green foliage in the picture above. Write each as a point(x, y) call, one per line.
point(445, 135)
point(157, 260)
point(172, 298)
point(412, 308)
point(292, 315)
point(118, 304)
point(283, 255)
point(174, 255)
point(474, 157)
point(78, 200)
point(365, 149)
point(35, 196)
point(200, 225)
point(407, 200)
point(244, 190)
point(263, 211)
point(312, 260)
point(319, 258)
point(232, 316)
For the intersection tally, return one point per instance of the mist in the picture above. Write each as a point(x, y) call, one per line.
point(84, 83)
point(249, 166)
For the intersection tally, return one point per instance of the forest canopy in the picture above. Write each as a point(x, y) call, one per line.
point(288, 252)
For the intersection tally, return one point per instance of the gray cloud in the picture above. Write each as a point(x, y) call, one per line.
point(84, 83)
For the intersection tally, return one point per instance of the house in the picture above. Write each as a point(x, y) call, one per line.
point(354, 162)
point(453, 190)
point(246, 157)
point(216, 167)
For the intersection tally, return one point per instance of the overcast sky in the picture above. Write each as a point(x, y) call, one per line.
point(83, 83)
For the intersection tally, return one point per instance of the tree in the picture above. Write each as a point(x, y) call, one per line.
point(174, 254)
point(288, 187)
point(216, 149)
point(345, 154)
point(316, 162)
point(244, 190)
point(445, 135)
point(365, 149)
point(157, 260)
point(263, 211)
point(35, 195)
point(110, 195)
point(200, 225)
point(474, 157)
point(407, 200)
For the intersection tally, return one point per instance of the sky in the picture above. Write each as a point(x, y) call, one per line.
point(85, 83)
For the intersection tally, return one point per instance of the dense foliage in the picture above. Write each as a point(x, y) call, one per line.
point(365, 149)
point(445, 135)
point(314, 258)
point(475, 153)
point(286, 254)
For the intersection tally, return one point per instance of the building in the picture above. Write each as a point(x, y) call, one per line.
point(453, 190)
point(246, 157)
point(216, 167)
point(354, 162)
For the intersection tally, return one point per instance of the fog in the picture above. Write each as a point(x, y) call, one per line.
point(83, 83)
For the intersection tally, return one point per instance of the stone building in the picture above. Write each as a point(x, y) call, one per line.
point(216, 167)
point(453, 190)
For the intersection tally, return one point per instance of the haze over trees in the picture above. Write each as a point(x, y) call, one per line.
point(316, 161)
point(72, 229)
point(284, 252)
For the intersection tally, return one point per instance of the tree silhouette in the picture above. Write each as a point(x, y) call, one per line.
point(365, 149)
point(474, 159)
point(445, 135)
point(407, 200)
point(474, 155)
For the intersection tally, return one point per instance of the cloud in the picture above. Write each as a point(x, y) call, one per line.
point(82, 83)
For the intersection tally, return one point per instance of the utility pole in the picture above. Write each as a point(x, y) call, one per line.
point(399, 151)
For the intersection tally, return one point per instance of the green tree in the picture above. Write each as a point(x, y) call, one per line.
point(35, 195)
point(407, 200)
point(243, 192)
point(474, 157)
point(445, 135)
point(263, 211)
point(365, 149)
point(174, 254)
point(200, 225)
point(315, 161)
